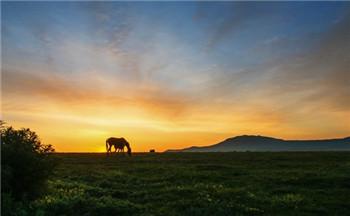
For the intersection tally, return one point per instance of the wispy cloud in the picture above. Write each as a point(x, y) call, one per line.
point(191, 69)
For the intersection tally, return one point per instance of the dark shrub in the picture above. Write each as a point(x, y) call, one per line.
point(25, 163)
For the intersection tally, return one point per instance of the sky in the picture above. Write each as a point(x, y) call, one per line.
point(169, 75)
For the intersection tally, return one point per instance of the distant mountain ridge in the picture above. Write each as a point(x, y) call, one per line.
point(264, 143)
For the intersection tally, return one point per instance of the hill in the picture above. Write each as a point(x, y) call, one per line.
point(263, 143)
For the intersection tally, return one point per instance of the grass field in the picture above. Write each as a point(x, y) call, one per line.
point(200, 184)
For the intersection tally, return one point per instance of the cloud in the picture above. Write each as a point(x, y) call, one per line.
point(317, 76)
point(233, 17)
point(106, 69)
point(321, 75)
point(69, 93)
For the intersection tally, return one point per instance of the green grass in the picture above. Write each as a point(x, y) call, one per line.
point(248, 183)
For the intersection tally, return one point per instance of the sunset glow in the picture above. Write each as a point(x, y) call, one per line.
point(171, 75)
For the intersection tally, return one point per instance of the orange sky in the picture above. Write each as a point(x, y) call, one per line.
point(172, 76)
point(83, 126)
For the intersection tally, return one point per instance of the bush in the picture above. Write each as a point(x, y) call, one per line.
point(26, 164)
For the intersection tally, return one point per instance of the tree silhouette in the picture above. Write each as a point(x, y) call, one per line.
point(26, 163)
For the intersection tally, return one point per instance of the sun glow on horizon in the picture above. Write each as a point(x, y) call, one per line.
point(173, 75)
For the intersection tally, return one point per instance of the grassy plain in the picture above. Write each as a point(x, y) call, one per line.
point(246, 183)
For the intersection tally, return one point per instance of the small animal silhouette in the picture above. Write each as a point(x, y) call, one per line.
point(118, 143)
